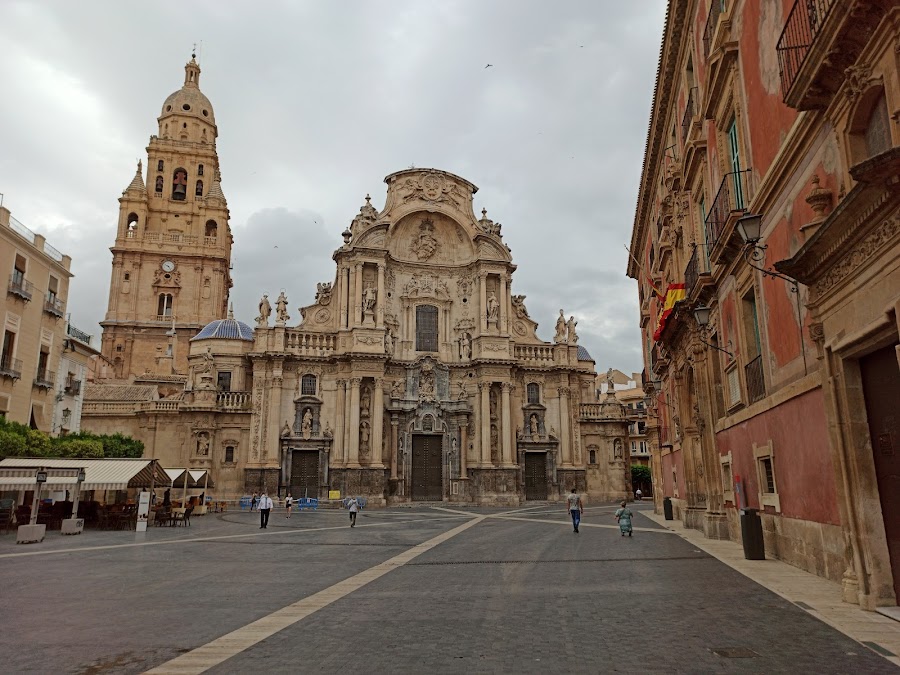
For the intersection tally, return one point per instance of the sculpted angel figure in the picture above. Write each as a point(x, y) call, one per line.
point(207, 361)
point(560, 336)
point(307, 421)
point(533, 423)
point(281, 305)
point(518, 303)
point(265, 310)
point(493, 307)
point(369, 297)
point(570, 327)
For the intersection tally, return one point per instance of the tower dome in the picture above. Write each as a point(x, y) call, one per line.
point(189, 101)
point(225, 329)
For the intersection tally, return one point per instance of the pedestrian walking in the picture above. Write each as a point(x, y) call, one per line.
point(288, 503)
point(265, 507)
point(623, 517)
point(638, 495)
point(353, 507)
point(576, 508)
point(254, 501)
point(167, 498)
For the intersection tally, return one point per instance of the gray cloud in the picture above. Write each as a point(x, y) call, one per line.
point(317, 102)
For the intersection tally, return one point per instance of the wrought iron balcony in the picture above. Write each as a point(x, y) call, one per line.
point(800, 30)
point(715, 9)
point(20, 287)
point(79, 335)
point(756, 383)
point(690, 110)
point(733, 196)
point(73, 386)
point(11, 368)
point(44, 379)
point(53, 305)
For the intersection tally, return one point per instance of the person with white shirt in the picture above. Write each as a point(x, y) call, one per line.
point(353, 507)
point(265, 507)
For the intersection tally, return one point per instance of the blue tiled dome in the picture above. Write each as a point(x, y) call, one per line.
point(583, 354)
point(225, 329)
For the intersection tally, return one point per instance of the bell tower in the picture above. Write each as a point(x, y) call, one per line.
point(172, 254)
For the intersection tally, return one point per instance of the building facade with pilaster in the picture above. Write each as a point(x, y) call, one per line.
point(766, 246)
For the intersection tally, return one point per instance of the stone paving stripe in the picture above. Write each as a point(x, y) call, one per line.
point(878, 648)
point(221, 649)
point(582, 524)
point(217, 537)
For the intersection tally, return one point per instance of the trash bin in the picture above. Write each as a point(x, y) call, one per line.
point(752, 535)
point(667, 508)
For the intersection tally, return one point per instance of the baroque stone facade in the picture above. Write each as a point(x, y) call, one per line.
point(416, 374)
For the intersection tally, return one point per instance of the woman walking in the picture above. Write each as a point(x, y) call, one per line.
point(623, 517)
point(288, 503)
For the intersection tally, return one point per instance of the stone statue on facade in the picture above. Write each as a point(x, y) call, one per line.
point(306, 426)
point(463, 394)
point(610, 382)
point(281, 306)
point(208, 361)
point(465, 346)
point(398, 389)
point(365, 403)
point(364, 438)
point(388, 343)
point(493, 308)
point(572, 336)
point(265, 311)
point(323, 293)
point(426, 386)
point(533, 423)
point(618, 452)
point(203, 445)
point(560, 337)
point(518, 303)
point(370, 295)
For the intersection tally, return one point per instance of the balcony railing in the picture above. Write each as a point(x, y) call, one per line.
point(715, 9)
point(542, 353)
point(165, 318)
point(309, 344)
point(234, 400)
point(79, 335)
point(689, 112)
point(733, 195)
point(11, 368)
point(800, 30)
point(756, 383)
point(53, 305)
point(73, 386)
point(20, 286)
point(44, 379)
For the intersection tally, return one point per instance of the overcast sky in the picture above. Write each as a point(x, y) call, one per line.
point(316, 102)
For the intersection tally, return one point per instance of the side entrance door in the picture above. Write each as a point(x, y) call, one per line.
point(536, 476)
point(881, 388)
point(427, 469)
point(305, 473)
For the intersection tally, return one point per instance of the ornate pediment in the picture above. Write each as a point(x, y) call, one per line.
point(163, 279)
point(426, 286)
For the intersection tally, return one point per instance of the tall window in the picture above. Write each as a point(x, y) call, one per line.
point(751, 326)
point(533, 392)
point(43, 360)
point(426, 328)
point(229, 454)
point(308, 385)
point(19, 270)
point(164, 307)
point(224, 380)
point(735, 160)
point(878, 129)
point(9, 345)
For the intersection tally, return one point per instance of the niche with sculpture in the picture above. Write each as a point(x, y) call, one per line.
point(307, 417)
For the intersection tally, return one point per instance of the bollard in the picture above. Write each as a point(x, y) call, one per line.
point(752, 535)
point(667, 508)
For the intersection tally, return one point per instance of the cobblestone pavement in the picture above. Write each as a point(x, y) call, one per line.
point(517, 591)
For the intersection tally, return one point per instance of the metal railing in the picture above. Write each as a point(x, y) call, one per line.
point(800, 30)
point(165, 318)
point(20, 286)
point(716, 7)
point(10, 367)
point(79, 335)
point(52, 252)
point(689, 113)
point(73, 386)
point(44, 379)
point(53, 305)
point(733, 195)
point(21, 230)
point(756, 383)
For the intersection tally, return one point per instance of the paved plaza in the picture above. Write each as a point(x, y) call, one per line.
point(425, 589)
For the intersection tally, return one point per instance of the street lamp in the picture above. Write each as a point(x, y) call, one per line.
point(749, 227)
point(702, 315)
point(66, 414)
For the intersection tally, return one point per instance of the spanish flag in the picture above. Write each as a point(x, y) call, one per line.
point(674, 293)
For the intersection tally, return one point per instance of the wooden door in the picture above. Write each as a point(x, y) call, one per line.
point(881, 388)
point(427, 468)
point(536, 476)
point(305, 473)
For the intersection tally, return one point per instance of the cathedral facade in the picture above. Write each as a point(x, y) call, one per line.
point(416, 374)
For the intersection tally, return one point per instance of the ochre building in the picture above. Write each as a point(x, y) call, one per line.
point(415, 375)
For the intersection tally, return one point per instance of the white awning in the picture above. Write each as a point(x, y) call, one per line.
point(100, 474)
point(195, 478)
point(200, 477)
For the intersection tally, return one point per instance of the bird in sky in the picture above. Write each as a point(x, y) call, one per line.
point(490, 65)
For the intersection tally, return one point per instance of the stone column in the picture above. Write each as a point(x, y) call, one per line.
point(464, 448)
point(485, 389)
point(393, 458)
point(506, 433)
point(715, 524)
point(379, 320)
point(342, 296)
point(339, 415)
point(564, 439)
point(357, 296)
point(351, 288)
point(346, 454)
point(482, 308)
point(378, 421)
point(353, 460)
point(277, 391)
point(504, 327)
